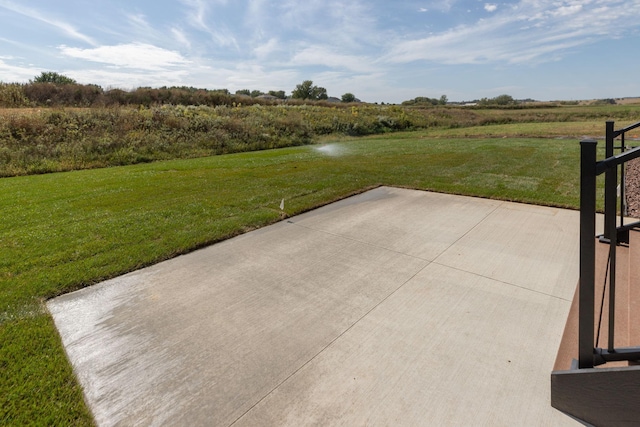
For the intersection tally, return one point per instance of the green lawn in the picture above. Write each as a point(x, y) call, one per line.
point(64, 231)
point(570, 130)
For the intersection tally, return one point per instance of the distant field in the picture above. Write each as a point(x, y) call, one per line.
point(65, 231)
point(624, 101)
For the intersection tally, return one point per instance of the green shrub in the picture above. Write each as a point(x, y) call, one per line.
point(12, 96)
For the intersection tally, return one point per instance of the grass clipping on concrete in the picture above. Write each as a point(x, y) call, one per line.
point(64, 231)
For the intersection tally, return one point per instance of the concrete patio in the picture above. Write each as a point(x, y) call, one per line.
point(392, 307)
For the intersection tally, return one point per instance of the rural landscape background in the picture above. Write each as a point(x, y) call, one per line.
point(170, 125)
point(54, 124)
point(98, 183)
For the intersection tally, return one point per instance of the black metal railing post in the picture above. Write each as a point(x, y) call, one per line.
point(611, 204)
point(587, 253)
point(608, 215)
point(611, 226)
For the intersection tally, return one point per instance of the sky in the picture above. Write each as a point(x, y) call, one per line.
point(379, 50)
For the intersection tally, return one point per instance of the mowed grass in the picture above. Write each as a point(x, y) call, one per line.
point(60, 232)
point(573, 130)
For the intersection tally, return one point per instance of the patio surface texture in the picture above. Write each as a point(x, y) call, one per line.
point(394, 307)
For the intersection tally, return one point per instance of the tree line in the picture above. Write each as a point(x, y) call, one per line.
point(54, 89)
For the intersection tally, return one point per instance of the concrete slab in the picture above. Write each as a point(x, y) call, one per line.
point(393, 307)
point(528, 246)
point(404, 221)
point(451, 348)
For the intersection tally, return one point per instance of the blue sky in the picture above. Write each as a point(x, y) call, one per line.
point(379, 50)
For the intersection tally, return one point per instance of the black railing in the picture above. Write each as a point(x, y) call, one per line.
point(589, 355)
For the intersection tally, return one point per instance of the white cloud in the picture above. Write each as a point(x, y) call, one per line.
point(422, 10)
point(490, 7)
point(257, 14)
point(531, 31)
point(350, 25)
point(134, 55)
point(12, 73)
point(62, 26)
point(322, 56)
point(443, 5)
point(198, 73)
point(127, 80)
point(197, 13)
point(254, 76)
point(198, 17)
point(567, 10)
point(139, 21)
point(181, 37)
point(265, 50)
point(224, 37)
point(363, 86)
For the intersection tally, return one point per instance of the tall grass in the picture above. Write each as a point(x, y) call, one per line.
point(55, 140)
point(35, 141)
